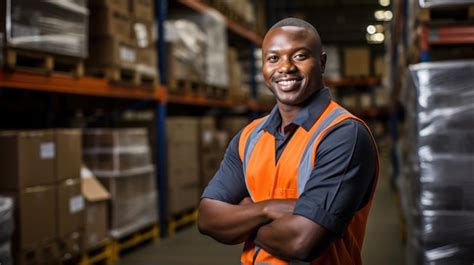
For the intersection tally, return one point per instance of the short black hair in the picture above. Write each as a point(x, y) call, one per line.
point(295, 22)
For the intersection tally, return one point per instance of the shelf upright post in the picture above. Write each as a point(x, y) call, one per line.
point(161, 10)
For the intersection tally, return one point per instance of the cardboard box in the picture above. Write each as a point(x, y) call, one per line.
point(71, 206)
point(110, 51)
point(232, 125)
point(96, 218)
point(111, 23)
point(182, 199)
point(27, 159)
point(121, 5)
point(35, 217)
point(68, 153)
point(148, 57)
point(143, 9)
point(357, 61)
point(45, 253)
point(379, 66)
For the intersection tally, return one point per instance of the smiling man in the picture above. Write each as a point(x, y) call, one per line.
point(295, 185)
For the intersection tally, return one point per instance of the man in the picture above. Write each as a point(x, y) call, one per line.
point(297, 184)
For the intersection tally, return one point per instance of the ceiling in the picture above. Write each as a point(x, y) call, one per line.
point(342, 22)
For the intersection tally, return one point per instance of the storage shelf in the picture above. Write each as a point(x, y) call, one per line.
point(232, 25)
point(368, 81)
point(81, 86)
point(446, 35)
point(222, 103)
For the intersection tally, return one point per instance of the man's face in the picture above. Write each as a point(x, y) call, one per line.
point(292, 64)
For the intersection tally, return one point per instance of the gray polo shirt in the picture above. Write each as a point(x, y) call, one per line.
point(341, 181)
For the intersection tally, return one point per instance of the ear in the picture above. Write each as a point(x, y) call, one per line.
point(322, 61)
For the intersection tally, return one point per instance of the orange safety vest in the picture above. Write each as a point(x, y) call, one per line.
point(267, 179)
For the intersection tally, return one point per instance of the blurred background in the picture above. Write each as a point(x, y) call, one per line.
point(114, 115)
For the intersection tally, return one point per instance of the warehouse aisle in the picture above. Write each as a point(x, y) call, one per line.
point(382, 245)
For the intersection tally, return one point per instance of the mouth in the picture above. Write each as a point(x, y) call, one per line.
point(288, 84)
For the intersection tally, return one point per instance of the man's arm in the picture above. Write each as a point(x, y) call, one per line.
point(226, 212)
point(339, 186)
point(294, 237)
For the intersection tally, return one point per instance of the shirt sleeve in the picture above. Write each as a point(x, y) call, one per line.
point(228, 184)
point(341, 182)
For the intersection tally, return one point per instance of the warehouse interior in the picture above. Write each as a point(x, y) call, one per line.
point(115, 115)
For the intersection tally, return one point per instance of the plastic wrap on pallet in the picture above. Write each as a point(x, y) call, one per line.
point(5, 254)
point(55, 26)
point(187, 53)
point(6, 219)
point(441, 3)
point(216, 49)
point(133, 202)
point(437, 189)
point(117, 152)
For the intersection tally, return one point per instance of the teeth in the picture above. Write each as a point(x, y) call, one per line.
point(287, 82)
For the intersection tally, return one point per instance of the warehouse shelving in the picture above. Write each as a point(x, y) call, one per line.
point(345, 82)
point(82, 86)
point(232, 25)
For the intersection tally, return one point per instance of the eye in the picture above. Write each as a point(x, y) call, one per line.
point(272, 58)
point(300, 56)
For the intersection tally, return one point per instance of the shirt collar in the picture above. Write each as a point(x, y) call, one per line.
point(307, 116)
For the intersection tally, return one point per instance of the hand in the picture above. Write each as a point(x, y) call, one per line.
point(276, 209)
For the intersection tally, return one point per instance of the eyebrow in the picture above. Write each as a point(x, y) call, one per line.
point(293, 49)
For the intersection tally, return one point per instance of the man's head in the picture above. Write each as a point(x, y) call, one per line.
point(293, 61)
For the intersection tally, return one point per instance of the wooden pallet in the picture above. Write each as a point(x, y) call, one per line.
point(125, 76)
point(185, 87)
point(447, 14)
point(182, 220)
point(41, 62)
point(101, 254)
point(145, 235)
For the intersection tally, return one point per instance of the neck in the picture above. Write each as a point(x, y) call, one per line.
point(287, 113)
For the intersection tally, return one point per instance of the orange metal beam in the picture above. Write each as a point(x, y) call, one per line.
point(81, 86)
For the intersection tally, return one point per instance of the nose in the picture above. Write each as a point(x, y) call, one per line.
point(286, 66)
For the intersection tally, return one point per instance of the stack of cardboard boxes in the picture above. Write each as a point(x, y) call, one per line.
point(41, 171)
point(212, 148)
point(183, 164)
point(121, 37)
point(121, 160)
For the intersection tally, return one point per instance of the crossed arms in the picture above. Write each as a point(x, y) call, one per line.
point(271, 224)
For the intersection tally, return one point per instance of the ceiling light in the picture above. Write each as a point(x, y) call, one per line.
point(375, 38)
point(384, 2)
point(379, 37)
point(388, 15)
point(379, 15)
point(371, 29)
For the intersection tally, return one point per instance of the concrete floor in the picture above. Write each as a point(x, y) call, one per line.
point(382, 244)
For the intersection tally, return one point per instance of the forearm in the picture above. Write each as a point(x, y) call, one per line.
point(293, 238)
point(228, 223)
